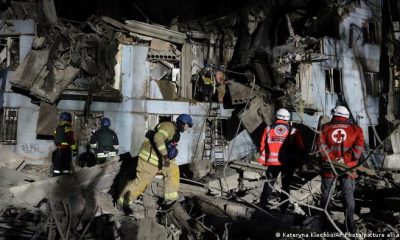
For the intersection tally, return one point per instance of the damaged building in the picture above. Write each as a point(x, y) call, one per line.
point(230, 66)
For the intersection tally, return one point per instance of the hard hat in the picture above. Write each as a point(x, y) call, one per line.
point(283, 114)
point(341, 111)
point(185, 119)
point(105, 122)
point(66, 116)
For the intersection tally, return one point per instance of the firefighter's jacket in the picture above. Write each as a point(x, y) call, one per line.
point(64, 136)
point(341, 139)
point(104, 140)
point(281, 144)
point(164, 132)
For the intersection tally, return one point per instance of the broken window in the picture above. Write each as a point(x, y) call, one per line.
point(84, 126)
point(396, 87)
point(9, 51)
point(333, 80)
point(372, 83)
point(373, 139)
point(370, 32)
point(396, 81)
point(154, 119)
point(164, 118)
point(8, 125)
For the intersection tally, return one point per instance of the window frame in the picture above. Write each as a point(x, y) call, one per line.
point(8, 135)
point(331, 83)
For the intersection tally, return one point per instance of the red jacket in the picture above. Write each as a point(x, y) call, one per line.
point(341, 139)
point(275, 147)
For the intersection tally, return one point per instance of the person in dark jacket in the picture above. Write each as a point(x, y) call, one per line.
point(104, 142)
point(65, 146)
point(87, 159)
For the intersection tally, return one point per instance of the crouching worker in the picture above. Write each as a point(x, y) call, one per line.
point(104, 142)
point(65, 146)
point(157, 153)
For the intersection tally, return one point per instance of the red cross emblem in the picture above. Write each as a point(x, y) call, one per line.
point(280, 130)
point(339, 135)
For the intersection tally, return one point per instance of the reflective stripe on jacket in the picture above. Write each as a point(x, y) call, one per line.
point(66, 137)
point(104, 140)
point(341, 139)
point(271, 143)
point(163, 132)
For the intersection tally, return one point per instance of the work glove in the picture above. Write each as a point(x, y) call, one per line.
point(340, 160)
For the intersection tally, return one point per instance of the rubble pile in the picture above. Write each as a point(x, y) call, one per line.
point(262, 48)
point(220, 204)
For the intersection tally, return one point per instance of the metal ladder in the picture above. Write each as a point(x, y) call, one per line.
point(214, 141)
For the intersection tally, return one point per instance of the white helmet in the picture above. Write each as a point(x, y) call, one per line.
point(341, 111)
point(283, 114)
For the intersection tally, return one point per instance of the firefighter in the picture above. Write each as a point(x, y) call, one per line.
point(65, 146)
point(157, 154)
point(343, 142)
point(281, 149)
point(104, 142)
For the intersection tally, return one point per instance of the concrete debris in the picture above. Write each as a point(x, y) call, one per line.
point(249, 63)
point(220, 197)
point(9, 159)
point(257, 113)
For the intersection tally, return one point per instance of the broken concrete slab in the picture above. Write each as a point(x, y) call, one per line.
point(47, 120)
point(8, 158)
point(257, 113)
point(307, 192)
point(50, 88)
point(144, 229)
point(251, 175)
point(220, 183)
point(31, 69)
point(160, 45)
point(200, 168)
point(95, 178)
point(9, 177)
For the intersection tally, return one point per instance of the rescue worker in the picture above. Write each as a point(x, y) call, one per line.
point(157, 154)
point(65, 145)
point(281, 149)
point(207, 87)
point(104, 142)
point(221, 82)
point(343, 142)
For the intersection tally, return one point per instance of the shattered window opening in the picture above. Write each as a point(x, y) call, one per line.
point(396, 87)
point(8, 125)
point(372, 83)
point(84, 126)
point(10, 51)
point(396, 80)
point(333, 80)
point(370, 32)
point(164, 118)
